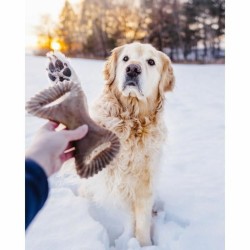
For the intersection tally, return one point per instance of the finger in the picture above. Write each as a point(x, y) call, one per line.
point(76, 134)
point(61, 127)
point(67, 156)
point(50, 126)
point(69, 147)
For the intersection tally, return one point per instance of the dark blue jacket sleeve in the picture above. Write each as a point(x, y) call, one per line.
point(36, 189)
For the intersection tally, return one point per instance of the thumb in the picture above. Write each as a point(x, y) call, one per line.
point(50, 126)
point(76, 134)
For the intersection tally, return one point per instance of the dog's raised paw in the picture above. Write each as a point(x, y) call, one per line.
point(59, 68)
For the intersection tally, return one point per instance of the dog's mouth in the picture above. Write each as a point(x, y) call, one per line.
point(132, 84)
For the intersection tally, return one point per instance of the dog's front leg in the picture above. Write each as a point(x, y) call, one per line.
point(143, 215)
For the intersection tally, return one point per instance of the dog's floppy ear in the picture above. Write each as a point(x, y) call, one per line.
point(110, 65)
point(167, 75)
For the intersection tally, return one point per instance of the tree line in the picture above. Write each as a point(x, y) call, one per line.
point(187, 30)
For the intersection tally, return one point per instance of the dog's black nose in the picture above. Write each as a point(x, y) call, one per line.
point(133, 70)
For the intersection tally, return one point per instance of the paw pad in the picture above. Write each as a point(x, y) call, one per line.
point(51, 67)
point(67, 72)
point(58, 71)
point(51, 77)
point(59, 65)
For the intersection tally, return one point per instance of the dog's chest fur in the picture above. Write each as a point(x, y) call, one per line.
point(141, 141)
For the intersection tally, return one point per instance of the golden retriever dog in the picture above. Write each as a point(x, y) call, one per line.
point(131, 105)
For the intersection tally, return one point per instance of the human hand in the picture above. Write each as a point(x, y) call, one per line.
point(49, 146)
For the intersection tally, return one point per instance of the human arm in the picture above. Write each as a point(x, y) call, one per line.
point(44, 157)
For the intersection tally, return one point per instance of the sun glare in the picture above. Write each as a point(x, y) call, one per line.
point(55, 45)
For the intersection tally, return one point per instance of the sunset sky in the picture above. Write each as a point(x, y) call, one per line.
point(34, 10)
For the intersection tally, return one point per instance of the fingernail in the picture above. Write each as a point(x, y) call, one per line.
point(85, 127)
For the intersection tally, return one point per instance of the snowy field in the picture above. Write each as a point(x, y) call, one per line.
point(191, 182)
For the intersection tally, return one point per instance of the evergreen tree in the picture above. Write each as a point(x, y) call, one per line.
point(191, 30)
point(184, 29)
point(67, 27)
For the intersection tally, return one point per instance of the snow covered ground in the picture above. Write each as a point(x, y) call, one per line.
point(192, 171)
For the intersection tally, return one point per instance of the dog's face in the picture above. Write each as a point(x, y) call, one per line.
point(139, 70)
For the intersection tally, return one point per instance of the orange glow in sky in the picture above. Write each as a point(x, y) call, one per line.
point(37, 8)
point(55, 45)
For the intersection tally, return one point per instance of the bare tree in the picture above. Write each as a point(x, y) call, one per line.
point(45, 34)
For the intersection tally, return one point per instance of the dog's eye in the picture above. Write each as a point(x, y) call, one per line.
point(151, 62)
point(125, 58)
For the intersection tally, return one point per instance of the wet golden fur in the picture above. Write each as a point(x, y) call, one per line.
point(141, 129)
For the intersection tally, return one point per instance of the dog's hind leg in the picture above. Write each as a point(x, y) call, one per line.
point(60, 69)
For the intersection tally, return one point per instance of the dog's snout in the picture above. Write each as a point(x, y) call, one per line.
point(133, 70)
